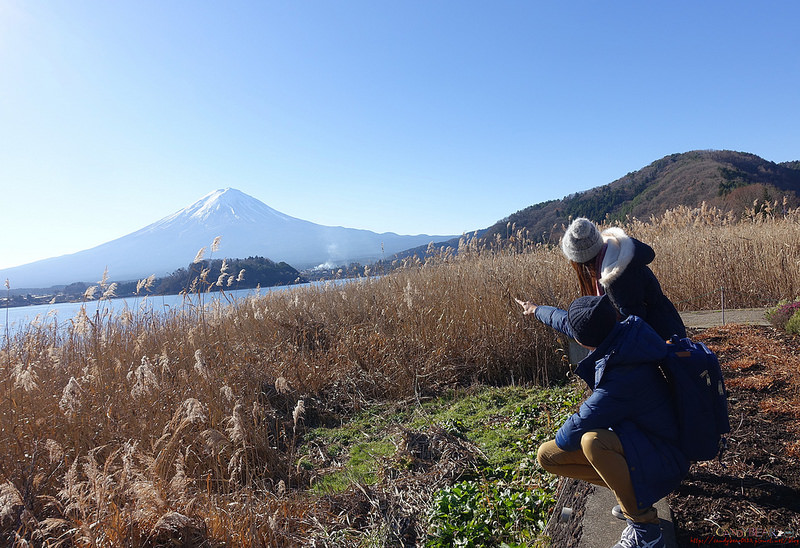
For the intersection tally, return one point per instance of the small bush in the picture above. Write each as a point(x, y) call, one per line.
point(785, 312)
point(793, 325)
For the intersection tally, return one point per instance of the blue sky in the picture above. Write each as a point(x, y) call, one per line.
point(435, 117)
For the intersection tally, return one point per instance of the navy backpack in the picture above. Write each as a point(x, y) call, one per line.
point(700, 397)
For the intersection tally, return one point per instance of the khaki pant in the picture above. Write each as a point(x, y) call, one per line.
point(601, 461)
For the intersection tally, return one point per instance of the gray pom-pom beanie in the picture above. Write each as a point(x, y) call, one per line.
point(581, 241)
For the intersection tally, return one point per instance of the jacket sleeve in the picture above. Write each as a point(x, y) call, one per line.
point(600, 410)
point(555, 318)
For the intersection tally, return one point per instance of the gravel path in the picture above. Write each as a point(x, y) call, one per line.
point(711, 318)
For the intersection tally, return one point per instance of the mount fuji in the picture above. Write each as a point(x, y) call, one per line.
point(247, 227)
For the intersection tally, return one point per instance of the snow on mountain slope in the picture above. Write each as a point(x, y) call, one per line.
point(247, 227)
point(222, 206)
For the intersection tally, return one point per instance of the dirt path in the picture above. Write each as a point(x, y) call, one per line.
point(712, 318)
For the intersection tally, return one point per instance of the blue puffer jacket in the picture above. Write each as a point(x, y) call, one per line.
point(630, 396)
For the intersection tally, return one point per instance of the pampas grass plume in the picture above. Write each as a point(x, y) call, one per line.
point(70, 398)
point(110, 293)
point(215, 244)
point(200, 254)
point(299, 412)
point(281, 385)
point(200, 364)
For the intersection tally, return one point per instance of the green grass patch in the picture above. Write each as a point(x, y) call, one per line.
point(362, 464)
point(505, 500)
point(509, 501)
point(351, 453)
point(507, 423)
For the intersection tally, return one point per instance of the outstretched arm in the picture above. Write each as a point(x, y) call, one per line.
point(548, 315)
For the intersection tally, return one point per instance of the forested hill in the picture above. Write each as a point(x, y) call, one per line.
point(726, 179)
point(216, 275)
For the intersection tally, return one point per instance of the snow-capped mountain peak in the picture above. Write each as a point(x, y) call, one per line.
point(228, 204)
point(221, 208)
point(212, 203)
point(247, 227)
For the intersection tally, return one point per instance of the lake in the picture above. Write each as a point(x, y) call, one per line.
point(21, 316)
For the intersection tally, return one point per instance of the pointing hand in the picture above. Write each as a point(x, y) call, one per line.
point(527, 307)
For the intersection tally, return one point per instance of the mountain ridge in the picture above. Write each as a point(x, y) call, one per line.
point(725, 179)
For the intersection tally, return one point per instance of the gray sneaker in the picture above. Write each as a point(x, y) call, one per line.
point(641, 535)
point(617, 512)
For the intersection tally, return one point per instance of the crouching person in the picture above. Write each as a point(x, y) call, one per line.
point(624, 436)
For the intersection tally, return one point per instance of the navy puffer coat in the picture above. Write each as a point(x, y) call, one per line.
point(630, 396)
point(632, 286)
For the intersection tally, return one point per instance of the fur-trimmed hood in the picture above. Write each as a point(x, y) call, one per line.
point(621, 250)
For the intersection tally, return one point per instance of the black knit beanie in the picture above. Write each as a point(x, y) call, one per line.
point(591, 319)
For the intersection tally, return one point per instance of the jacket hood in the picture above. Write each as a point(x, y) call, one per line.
point(621, 251)
point(632, 342)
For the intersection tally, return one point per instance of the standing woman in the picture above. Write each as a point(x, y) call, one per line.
point(615, 264)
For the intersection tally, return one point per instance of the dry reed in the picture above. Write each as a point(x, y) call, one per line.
point(112, 423)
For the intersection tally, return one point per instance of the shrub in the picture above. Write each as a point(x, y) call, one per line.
point(783, 313)
point(793, 325)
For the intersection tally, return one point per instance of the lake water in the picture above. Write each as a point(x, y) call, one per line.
point(21, 316)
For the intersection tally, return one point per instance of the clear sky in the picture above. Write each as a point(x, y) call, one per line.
point(435, 116)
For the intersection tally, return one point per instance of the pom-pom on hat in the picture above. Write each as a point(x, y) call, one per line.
point(591, 319)
point(581, 241)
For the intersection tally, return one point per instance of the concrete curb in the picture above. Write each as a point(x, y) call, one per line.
point(602, 530)
point(582, 518)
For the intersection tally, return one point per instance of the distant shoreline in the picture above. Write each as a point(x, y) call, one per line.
point(53, 299)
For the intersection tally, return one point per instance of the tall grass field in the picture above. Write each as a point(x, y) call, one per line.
point(144, 429)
